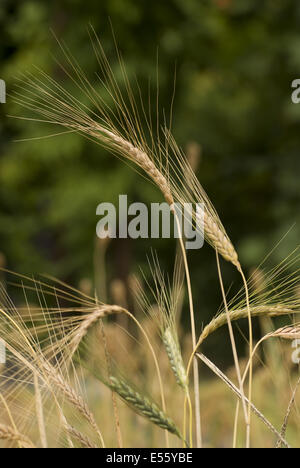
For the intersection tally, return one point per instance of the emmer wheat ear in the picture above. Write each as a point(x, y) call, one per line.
point(143, 405)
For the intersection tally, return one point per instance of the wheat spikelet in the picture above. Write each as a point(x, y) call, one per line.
point(9, 434)
point(143, 406)
point(121, 130)
point(168, 300)
point(175, 358)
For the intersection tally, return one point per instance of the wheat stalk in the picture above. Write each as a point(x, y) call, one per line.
point(231, 385)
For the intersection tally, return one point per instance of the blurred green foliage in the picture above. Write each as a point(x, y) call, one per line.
point(235, 61)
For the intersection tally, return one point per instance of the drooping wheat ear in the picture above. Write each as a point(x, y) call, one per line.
point(89, 320)
point(220, 240)
point(47, 98)
point(84, 441)
point(191, 191)
point(121, 130)
point(175, 358)
point(142, 159)
point(287, 333)
point(221, 320)
point(143, 406)
point(9, 434)
point(76, 400)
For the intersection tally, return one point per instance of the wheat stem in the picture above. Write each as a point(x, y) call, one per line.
point(40, 412)
point(233, 345)
point(193, 330)
point(228, 382)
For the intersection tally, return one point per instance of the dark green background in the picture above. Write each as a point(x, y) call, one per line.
point(235, 63)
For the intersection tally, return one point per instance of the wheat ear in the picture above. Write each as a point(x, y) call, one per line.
point(257, 311)
point(175, 358)
point(287, 333)
point(76, 400)
point(9, 434)
point(89, 320)
point(143, 406)
point(84, 441)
